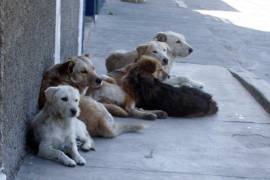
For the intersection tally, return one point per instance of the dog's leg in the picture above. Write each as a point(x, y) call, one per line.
point(160, 114)
point(48, 152)
point(74, 153)
point(83, 136)
point(183, 81)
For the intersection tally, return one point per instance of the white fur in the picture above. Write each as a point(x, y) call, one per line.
point(178, 46)
point(56, 128)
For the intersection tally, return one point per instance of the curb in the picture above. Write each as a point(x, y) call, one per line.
point(257, 87)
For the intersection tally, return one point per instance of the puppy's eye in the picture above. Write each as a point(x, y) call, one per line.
point(164, 50)
point(84, 72)
point(64, 99)
point(179, 42)
point(76, 100)
point(155, 52)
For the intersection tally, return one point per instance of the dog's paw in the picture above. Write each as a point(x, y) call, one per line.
point(150, 116)
point(197, 85)
point(88, 146)
point(161, 114)
point(80, 160)
point(69, 163)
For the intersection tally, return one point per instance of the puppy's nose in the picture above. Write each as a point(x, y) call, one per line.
point(165, 61)
point(98, 81)
point(190, 50)
point(73, 111)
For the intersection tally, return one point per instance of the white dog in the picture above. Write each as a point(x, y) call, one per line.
point(56, 127)
point(178, 46)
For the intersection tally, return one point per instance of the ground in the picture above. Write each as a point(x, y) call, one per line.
point(233, 144)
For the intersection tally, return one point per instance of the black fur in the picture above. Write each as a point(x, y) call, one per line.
point(151, 94)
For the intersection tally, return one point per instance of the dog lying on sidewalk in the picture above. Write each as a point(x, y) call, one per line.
point(171, 43)
point(79, 72)
point(119, 103)
point(151, 93)
point(56, 127)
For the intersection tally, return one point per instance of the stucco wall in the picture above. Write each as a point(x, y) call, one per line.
point(69, 28)
point(28, 30)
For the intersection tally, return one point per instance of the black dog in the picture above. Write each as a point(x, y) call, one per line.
point(152, 94)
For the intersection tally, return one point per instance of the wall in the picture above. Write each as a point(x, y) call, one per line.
point(30, 42)
point(69, 28)
point(27, 49)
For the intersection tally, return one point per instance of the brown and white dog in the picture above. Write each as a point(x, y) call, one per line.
point(172, 44)
point(150, 93)
point(119, 103)
point(79, 72)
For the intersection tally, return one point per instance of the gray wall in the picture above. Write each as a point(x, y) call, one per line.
point(69, 28)
point(27, 47)
point(28, 28)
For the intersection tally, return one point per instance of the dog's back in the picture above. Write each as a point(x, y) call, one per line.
point(152, 94)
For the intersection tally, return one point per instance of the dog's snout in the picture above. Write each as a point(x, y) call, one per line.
point(73, 111)
point(190, 50)
point(98, 81)
point(165, 61)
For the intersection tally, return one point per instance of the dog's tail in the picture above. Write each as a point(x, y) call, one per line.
point(121, 128)
point(213, 107)
point(116, 110)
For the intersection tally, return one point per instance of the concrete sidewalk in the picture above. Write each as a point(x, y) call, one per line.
point(232, 145)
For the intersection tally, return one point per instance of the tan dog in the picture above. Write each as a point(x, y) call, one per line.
point(79, 72)
point(119, 103)
point(156, 49)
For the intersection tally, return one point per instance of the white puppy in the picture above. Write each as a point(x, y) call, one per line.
point(56, 127)
point(178, 46)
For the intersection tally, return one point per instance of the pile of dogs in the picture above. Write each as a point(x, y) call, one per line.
point(76, 103)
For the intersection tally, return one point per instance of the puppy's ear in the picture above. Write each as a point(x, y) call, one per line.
point(50, 92)
point(147, 65)
point(162, 37)
point(67, 67)
point(142, 49)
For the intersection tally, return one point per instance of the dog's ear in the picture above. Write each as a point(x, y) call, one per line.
point(142, 49)
point(162, 37)
point(67, 67)
point(147, 65)
point(50, 92)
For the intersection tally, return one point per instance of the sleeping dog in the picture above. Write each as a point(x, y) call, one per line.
point(151, 93)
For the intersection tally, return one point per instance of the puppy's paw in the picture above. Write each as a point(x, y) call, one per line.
point(80, 160)
point(69, 163)
point(88, 146)
point(161, 114)
point(150, 116)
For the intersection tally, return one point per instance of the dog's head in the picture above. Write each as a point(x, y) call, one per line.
point(149, 66)
point(176, 41)
point(63, 101)
point(81, 71)
point(156, 49)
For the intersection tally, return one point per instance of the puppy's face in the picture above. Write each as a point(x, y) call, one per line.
point(82, 72)
point(152, 67)
point(176, 42)
point(158, 50)
point(63, 101)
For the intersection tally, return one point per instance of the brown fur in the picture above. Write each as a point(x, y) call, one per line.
point(151, 93)
point(79, 72)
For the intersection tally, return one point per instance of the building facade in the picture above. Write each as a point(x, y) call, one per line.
point(33, 36)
